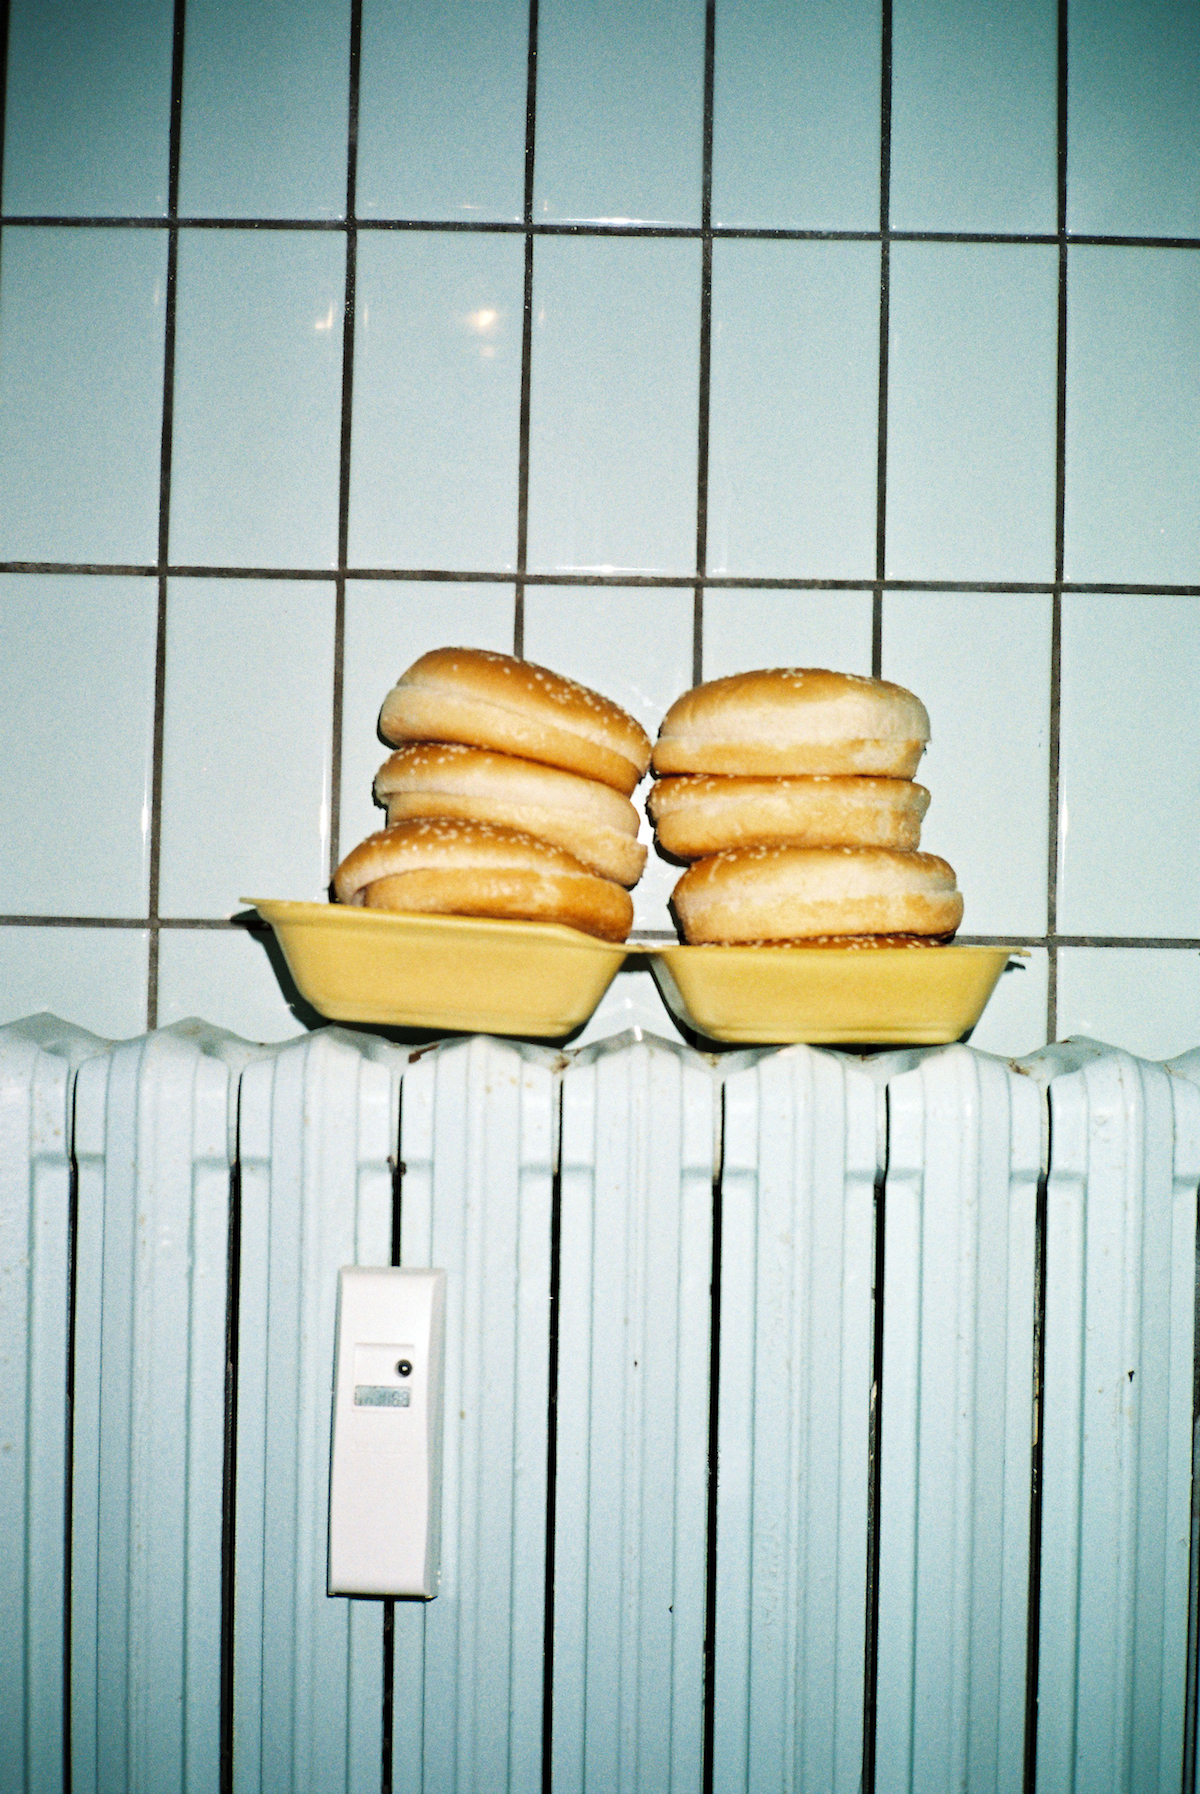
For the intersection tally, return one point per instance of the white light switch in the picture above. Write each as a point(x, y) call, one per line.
point(385, 1480)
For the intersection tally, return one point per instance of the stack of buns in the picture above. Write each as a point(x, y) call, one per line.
point(507, 796)
point(791, 792)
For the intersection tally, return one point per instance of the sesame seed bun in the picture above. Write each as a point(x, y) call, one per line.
point(792, 893)
point(699, 814)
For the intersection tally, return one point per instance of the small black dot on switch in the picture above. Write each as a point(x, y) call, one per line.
point(404, 1368)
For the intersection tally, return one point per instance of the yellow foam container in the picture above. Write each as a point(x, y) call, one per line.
point(877, 996)
point(461, 973)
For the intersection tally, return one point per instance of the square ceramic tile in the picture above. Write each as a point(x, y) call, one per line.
point(258, 396)
point(230, 977)
point(614, 424)
point(620, 111)
point(980, 663)
point(973, 331)
point(1145, 999)
point(632, 1000)
point(747, 629)
point(636, 648)
point(77, 728)
point(247, 743)
point(1129, 778)
point(1133, 154)
point(794, 409)
point(265, 109)
point(441, 110)
point(796, 114)
point(87, 118)
point(94, 977)
point(81, 376)
point(437, 400)
point(974, 116)
point(1133, 416)
point(1014, 1021)
point(389, 624)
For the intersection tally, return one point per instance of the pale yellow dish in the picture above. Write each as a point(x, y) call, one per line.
point(466, 974)
point(879, 996)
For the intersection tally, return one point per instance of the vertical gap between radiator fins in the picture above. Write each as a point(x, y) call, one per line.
point(233, 1266)
point(874, 1441)
point(551, 1460)
point(69, 1442)
point(388, 1696)
point(1192, 1692)
point(714, 1441)
point(1033, 1614)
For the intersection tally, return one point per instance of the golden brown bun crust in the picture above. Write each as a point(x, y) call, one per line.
point(788, 721)
point(588, 819)
point(794, 893)
point(493, 701)
point(698, 815)
point(449, 867)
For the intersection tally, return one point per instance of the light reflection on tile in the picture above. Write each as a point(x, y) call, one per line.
point(613, 433)
point(94, 977)
point(972, 411)
point(1133, 417)
point(81, 369)
point(247, 742)
point(226, 976)
point(441, 113)
point(796, 114)
point(87, 115)
point(265, 98)
point(437, 401)
point(389, 624)
point(77, 737)
point(1145, 999)
point(634, 647)
point(620, 111)
point(1129, 812)
point(744, 629)
point(794, 409)
point(974, 140)
point(258, 378)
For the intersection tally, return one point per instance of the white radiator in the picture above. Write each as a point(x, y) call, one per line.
point(812, 1422)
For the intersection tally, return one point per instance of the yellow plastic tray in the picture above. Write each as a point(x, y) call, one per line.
point(877, 996)
point(470, 975)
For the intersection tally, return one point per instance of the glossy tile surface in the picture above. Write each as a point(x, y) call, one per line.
point(1133, 416)
point(794, 409)
point(265, 95)
point(87, 116)
point(1133, 162)
point(77, 728)
point(632, 1000)
point(1145, 999)
point(980, 663)
point(81, 368)
point(435, 445)
point(230, 977)
point(635, 647)
point(389, 624)
point(620, 111)
point(613, 432)
point(441, 114)
point(1014, 1021)
point(796, 114)
point(247, 741)
point(744, 629)
point(94, 977)
point(1129, 812)
point(971, 411)
point(258, 375)
point(974, 144)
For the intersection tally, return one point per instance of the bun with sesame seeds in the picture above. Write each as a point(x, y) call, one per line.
point(697, 814)
point(590, 820)
point(446, 866)
point(513, 707)
point(789, 721)
point(765, 894)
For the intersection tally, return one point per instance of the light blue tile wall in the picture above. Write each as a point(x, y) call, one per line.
point(254, 460)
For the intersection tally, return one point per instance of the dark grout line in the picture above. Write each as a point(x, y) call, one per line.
point(877, 634)
point(1060, 490)
point(349, 312)
point(526, 333)
point(5, 23)
point(704, 381)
